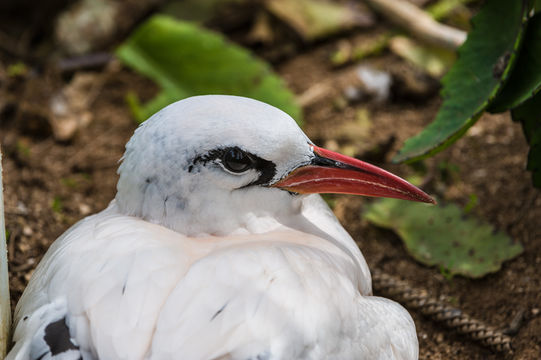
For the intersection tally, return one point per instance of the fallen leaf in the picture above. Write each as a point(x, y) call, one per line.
point(70, 108)
point(443, 236)
point(315, 19)
point(435, 61)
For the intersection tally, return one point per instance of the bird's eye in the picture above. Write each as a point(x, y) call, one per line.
point(236, 160)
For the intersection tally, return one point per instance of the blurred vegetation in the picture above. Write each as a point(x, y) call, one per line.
point(188, 60)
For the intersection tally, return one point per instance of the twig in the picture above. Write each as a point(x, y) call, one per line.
point(516, 323)
point(419, 23)
point(11, 243)
point(313, 94)
point(453, 318)
point(23, 267)
point(83, 62)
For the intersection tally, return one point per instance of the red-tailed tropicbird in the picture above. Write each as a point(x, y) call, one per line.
point(214, 249)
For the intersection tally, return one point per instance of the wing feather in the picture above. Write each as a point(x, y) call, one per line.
point(115, 274)
point(271, 297)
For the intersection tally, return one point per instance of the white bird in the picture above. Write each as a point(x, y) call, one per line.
point(213, 248)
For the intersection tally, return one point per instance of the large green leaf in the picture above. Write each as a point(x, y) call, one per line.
point(185, 60)
point(442, 236)
point(525, 78)
point(475, 78)
point(529, 115)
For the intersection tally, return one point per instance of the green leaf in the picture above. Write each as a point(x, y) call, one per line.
point(475, 78)
point(525, 78)
point(186, 60)
point(529, 115)
point(444, 237)
point(17, 69)
point(57, 205)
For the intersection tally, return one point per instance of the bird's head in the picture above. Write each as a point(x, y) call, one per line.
point(211, 164)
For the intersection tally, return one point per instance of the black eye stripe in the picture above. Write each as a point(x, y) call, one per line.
point(266, 168)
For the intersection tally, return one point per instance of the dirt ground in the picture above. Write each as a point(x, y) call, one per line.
point(50, 184)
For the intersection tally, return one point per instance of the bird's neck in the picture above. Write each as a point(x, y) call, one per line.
point(250, 212)
point(212, 212)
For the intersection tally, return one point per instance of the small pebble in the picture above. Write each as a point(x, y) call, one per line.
point(28, 275)
point(27, 230)
point(23, 245)
point(376, 81)
point(353, 94)
point(21, 208)
point(84, 209)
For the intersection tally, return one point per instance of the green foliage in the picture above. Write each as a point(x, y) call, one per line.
point(444, 237)
point(17, 69)
point(472, 203)
point(186, 60)
point(529, 115)
point(483, 65)
point(57, 205)
point(70, 182)
point(370, 47)
point(23, 150)
point(499, 69)
point(525, 79)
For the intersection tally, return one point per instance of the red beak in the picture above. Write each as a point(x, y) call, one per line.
point(330, 172)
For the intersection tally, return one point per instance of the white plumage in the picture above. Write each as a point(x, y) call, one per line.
point(195, 259)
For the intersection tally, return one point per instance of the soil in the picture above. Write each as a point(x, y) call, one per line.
point(51, 184)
